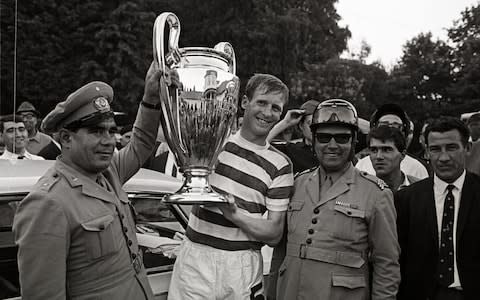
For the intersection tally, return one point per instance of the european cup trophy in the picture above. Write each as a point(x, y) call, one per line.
point(198, 111)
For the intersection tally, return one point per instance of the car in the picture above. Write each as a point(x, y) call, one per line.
point(145, 190)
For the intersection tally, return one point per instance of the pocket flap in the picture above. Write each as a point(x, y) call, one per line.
point(348, 281)
point(351, 212)
point(98, 224)
point(295, 205)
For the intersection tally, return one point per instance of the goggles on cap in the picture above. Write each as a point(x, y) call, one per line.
point(335, 111)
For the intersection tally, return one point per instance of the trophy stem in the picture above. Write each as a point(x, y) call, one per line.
point(195, 189)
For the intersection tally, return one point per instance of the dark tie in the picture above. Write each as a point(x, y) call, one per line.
point(446, 255)
point(102, 183)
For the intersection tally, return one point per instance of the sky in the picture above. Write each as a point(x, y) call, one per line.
point(386, 25)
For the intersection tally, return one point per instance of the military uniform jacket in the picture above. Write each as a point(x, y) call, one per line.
point(335, 244)
point(76, 239)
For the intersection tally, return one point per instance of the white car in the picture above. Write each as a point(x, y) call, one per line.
point(145, 190)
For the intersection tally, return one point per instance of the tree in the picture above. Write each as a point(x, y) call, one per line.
point(423, 76)
point(64, 44)
point(465, 36)
point(352, 80)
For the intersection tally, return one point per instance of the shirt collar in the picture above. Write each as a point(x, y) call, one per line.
point(405, 182)
point(440, 186)
point(11, 155)
point(36, 137)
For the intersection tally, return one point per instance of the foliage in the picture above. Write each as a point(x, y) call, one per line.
point(64, 44)
point(465, 36)
point(348, 79)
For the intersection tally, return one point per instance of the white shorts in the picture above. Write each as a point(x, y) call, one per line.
point(203, 272)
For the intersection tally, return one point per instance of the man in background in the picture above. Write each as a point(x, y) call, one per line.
point(387, 150)
point(300, 153)
point(14, 135)
point(394, 116)
point(36, 139)
point(473, 124)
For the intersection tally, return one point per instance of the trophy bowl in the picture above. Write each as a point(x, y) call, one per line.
point(199, 92)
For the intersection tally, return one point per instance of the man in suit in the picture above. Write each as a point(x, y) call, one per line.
point(438, 221)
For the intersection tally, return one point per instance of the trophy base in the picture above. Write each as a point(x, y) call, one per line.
point(194, 198)
point(195, 190)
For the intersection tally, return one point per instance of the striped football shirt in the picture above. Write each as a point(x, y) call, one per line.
point(259, 177)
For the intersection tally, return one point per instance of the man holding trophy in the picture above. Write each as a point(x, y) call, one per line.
point(220, 257)
point(251, 182)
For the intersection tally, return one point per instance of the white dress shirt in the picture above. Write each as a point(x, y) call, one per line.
point(409, 165)
point(440, 192)
point(26, 155)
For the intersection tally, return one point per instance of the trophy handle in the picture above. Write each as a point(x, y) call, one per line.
point(173, 55)
point(227, 48)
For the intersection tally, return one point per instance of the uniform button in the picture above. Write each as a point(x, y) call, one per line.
point(130, 242)
point(125, 229)
point(316, 211)
point(308, 241)
point(349, 213)
point(310, 231)
point(101, 227)
point(122, 216)
point(314, 221)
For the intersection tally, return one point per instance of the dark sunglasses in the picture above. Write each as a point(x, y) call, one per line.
point(340, 138)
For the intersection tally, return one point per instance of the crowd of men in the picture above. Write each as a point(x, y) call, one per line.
point(386, 226)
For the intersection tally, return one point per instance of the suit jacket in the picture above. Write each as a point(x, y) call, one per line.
point(418, 238)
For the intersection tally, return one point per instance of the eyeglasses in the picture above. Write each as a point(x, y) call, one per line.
point(340, 138)
point(28, 116)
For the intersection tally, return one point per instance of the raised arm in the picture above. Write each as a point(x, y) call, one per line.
point(292, 118)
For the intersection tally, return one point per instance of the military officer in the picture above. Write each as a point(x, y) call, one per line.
point(341, 222)
point(75, 230)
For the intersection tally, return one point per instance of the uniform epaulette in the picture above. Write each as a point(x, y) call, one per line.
point(379, 182)
point(48, 182)
point(305, 171)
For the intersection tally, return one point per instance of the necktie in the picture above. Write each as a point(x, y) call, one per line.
point(102, 183)
point(446, 255)
point(327, 183)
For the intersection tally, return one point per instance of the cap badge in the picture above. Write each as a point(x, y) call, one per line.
point(101, 104)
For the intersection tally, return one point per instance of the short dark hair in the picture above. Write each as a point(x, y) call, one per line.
point(269, 83)
point(473, 118)
point(387, 133)
point(447, 123)
point(10, 118)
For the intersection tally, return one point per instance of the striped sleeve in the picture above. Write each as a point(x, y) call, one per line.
point(279, 192)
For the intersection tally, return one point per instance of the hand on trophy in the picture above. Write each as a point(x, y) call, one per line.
point(152, 81)
point(228, 209)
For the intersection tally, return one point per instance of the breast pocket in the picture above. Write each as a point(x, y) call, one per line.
point(99, 236)
point(349, 223)
point(293, 213)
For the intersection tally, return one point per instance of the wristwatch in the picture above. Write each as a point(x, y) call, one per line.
point(151, 106)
